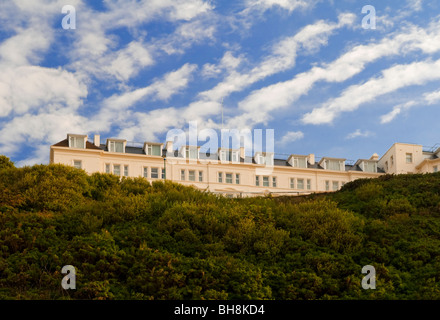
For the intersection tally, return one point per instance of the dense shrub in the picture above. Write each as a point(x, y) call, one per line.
point(130, 239)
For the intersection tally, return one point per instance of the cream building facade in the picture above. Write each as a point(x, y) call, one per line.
point(231, 171)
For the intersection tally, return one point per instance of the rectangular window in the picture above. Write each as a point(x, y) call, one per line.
point(229, 178)
point(76, 142)
point(369, 166)
point(435, 168)
point(274, 182)
point(153, 150)
point(116, 146)
point(77, 164)
point(126, 171)
point(334, 165)
point(257, 181)
point(409, 158)
point(117, 169)
point(237, 178)
point(392, 160)
point(191, 175)
point(200, 176)
point(191, 153)
point(145, 172)
point(182, 175)
point(220, 177)
point(327, 185)
point(299, 162)
point(163, 173)
point(335, 185)
point(386, 166)
point(309, 184)
point(300, 183)
point(292, 183)
point(154, 173)
point(107, 168)
point(265, 181)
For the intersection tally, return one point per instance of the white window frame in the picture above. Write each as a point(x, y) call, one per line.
point(300, 183)
point(192, 177)
point(229, 178)
point(126, 171)
point(80, 164)
point(292, 183)
point(114, 169)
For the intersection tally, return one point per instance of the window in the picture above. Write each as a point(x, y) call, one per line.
point(191, 153)
point(335, 185)
point(435, 168)
point(226, 155)
point(145, 172)
point(154, 173)
point(126, 171)
point(116, 146)
point(409, 158)
point(334, 165)
point(299, 162)
point(153, 150)
point(117, 169)
point(107, 168)
point(200, 176)
point(392, 160)
point(292, 183)
point(309, 184)
point(77, 142)
point(274, 182)
point(191, 175)
point(229, 178)
point(386, 166)
point(300, 184)
point(327, 185)
point(182, 175)
point(257, 181)
point(237, 178)
point(264, 159)
point(77, 164)
point(163, 173)
point(220, 177)
point(265, 181)
point(369, 166)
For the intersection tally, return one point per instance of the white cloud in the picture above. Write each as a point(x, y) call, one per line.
point(428, 98)
point(259, 103)
point(27, 88)
point(282, 57)
point(359, 133)
point(289, 5)
point(291, 136)
point(392, 79)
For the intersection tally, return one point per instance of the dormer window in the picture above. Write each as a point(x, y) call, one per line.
point(77, 141)
point(298, 161)
point(228, 155)
point(333, 164)
point(264, 158)
point(191, 153)
point(369, 166)
point(116, 145)
point(152, 149)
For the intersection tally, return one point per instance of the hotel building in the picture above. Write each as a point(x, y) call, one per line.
point(231, 171)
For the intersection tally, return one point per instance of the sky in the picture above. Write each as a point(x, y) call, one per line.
point(318, 72)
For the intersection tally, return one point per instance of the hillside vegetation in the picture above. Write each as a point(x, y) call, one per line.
point(129, 239)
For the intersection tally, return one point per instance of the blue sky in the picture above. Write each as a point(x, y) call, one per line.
point(137, 69)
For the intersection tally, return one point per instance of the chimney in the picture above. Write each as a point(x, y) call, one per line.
point(169, 147)
point(242, 153)
point(97, 140)
point(311, 158)
point(375, 157)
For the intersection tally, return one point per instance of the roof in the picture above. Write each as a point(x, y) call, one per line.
point(65, 143)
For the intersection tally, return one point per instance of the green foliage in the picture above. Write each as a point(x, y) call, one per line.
point(130, 239)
